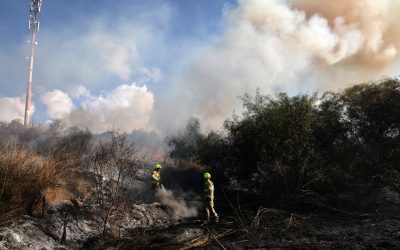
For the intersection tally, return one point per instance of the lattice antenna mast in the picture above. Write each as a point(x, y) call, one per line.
point(33, 27)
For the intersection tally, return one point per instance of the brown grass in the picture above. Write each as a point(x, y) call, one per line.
point(57, 195)
point(23, 177)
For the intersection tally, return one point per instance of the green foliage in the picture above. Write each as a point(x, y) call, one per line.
point(302, 145)
point(298, 148)
point(273, 144)
point(372, 117)
point(194, 146)
point(186, 146)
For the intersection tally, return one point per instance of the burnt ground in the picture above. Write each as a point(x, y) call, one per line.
point(156, 226)
point(150, 226)
point(272, 229)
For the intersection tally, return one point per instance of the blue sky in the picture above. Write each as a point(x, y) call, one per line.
point(191, 18)
point(172, 21)
point(151, 64)
point(160, 30)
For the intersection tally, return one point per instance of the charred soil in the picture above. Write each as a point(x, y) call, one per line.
point(275, 230)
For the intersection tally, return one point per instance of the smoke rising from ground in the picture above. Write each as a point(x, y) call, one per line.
point(275, 45)
point(59, 104)
point(178, 205)
point(127, 107)
point(13, 108)
point(375, 20)
point(379, 51)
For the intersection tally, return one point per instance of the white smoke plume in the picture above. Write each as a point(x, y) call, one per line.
point(13, 108)
point(178, 205)
point(118, 57)
point(152, 74)
point(290, 45)
point(375, 20)
point(59, 104)
point(127, 107)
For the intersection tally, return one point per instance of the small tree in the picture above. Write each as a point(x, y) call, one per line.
point(115, 164)
point(272, 146)
point(185, 146)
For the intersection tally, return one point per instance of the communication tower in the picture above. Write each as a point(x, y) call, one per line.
point(34, 25)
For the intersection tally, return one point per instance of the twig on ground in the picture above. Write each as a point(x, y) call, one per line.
point(244, 226)
point(205, 240)
point(212, 236)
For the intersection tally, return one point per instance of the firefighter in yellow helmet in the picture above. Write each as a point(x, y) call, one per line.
point(209, 198)
point(156, 178)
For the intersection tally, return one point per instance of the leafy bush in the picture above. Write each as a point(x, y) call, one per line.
point(273, 148)
point(297, 149)
point(202, 152)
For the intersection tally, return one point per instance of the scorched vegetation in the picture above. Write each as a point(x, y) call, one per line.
point(305, 171)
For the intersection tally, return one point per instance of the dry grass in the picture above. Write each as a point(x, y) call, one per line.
point(57, 195)
point(261, 214)
point(207, 239)
point(23, 177)
point(252, 225)
point(41, 162)
point(80, 188)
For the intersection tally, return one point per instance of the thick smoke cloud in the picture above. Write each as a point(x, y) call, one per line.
point(273, 45)
point(59, 104)
point(375, 20)
point(13, 108)
point(284, 45)
point(127, 107)
point(379, 51)
point(103, 50)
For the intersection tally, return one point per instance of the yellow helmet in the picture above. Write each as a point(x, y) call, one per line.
point(157, 166)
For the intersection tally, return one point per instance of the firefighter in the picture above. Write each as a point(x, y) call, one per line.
point(209, 198)
point(156, 178)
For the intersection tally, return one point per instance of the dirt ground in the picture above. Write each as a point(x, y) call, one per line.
point(274, 231)
point(152, 227)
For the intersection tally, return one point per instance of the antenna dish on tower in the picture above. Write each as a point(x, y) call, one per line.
point(34, 16)
point(33, 26)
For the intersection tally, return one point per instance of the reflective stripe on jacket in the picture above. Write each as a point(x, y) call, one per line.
point(155, 177)
point(209, 189)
